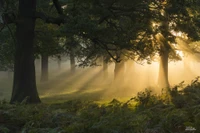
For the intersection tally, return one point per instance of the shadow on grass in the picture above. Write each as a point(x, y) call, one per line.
point(5, 88)
point(84, 84)
point(93, 95)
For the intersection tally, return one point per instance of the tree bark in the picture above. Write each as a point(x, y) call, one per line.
point(130, 65)
point(163, 68)
point(72, 62)
point(119, 72)
point(105, 67)
point(1, 17)
point(24, 83)
point(44, 68)
point(59, 63)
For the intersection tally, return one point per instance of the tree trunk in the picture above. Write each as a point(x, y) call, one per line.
point(119, 72)
point(130, 65)
point(105, 67)
point(59, 62)
point(24, 83)
point(163, 68)
point(130, 74)
point(1, 13)
point(44, 68)
point(72, 62)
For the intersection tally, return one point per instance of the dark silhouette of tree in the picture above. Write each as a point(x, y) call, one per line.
point(24, 84)
point(101, 28)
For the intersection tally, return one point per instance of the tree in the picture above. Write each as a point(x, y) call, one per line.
point(24, 84)
point(168, 18)
point(7, 49)
point(103, 26)
point(105, 62)
point(71, 46)
point(108, 25)
point(46, 45)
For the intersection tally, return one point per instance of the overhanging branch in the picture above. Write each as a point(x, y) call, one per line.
point(104, 46)
point(58, 7)
point(58, 20)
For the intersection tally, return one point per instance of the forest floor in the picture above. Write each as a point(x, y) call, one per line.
point(92, 109)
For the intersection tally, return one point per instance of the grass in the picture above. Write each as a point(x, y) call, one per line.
point(145, 113)
point(61, 86)
point(5, 88)
point(83, 107)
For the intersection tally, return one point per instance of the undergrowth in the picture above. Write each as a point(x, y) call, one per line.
point(174, 111)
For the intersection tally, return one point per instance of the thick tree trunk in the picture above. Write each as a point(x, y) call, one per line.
point(72, 62)
point(44, 68)
point(1, 18)
point(130, 74)
point(130, 65)
point(119, 72)
point(105, 67)
point(59, 62)
point(163, 68)
point(24, 83)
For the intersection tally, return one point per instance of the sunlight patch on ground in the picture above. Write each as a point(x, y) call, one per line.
point(74, 83)
point(88, 83)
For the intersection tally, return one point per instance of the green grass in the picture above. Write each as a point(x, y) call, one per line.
point(89, 110)
point(145, 113)
point(5, 88)
point(66, 86)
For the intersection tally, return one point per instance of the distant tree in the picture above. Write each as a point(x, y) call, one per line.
point(101, 28)
point(24, 85)
point(46, 45)
point(168, 19)
point(7, 49)
point(105, 61)
point(107, 27)
point(72, 49)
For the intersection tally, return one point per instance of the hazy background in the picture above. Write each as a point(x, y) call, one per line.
point(90, 83)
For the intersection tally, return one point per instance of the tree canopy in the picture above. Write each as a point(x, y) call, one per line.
point(118, 29)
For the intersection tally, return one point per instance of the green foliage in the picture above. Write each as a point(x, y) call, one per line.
point(7, 49)
point(4, 129)
point(146, 98)
point(152, 114)
point(186, 96)
point(46, 40)
point(110, 26)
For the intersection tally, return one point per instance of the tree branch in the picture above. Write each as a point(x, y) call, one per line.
point(7, 18)
point(58, 20)
point(103, 46)
point(58, 7)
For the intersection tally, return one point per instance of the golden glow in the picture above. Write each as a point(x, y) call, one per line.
point(89, 83)
point(179, 34)
point(155, 24)
point(180, 53)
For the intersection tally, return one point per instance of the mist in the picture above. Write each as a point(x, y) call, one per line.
point(92, 83)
